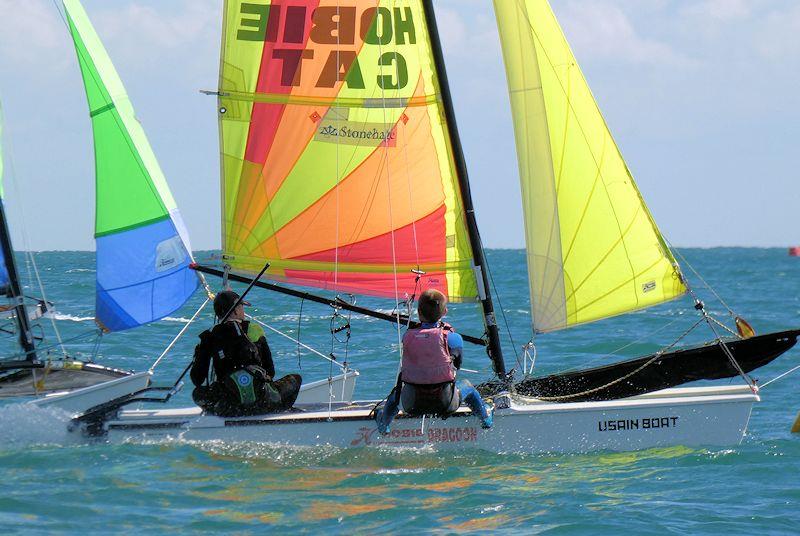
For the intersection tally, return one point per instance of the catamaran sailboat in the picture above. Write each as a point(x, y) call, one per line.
point(37, 369)
point(342, 169)
point(143, 255)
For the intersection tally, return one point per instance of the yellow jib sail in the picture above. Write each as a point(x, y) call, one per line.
point(594, 250)
point(337, 165)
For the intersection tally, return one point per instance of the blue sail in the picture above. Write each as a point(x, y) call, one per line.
point(143, 252)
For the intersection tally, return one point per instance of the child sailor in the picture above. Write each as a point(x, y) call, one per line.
point(432, 354)
point(240, 378)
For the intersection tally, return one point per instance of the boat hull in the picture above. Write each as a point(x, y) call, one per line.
point(56, 377)
point(80, 400)
point(655, 372)
point(700, 416)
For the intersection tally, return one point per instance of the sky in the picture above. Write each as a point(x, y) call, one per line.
point(702, 96)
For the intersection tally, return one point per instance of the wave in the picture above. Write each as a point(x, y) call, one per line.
point(177, 319)
point(25, 424)
point(70, 318)
point(79, 270)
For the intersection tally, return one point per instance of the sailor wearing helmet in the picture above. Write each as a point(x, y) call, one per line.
point(233, 369)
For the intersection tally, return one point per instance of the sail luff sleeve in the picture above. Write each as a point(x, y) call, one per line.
point(143, 253)
point(337, 167)
point(594, 250)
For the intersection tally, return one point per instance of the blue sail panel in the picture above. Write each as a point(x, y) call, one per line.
point(143, 275)
point(4, 278)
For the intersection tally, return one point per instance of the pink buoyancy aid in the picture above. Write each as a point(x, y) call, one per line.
point(426, 357)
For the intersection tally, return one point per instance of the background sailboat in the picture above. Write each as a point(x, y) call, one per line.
point(36, 368)
point(143, 252)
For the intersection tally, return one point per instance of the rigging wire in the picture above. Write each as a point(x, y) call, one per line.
point(33, 269)
point(336, 109)
point(710, 321)
point(794, 369)
point(85, 335)
point(301, 344)
point(703, 281)
point(179, 335)
point(499, 303)
point(299, 324)
point(646, 364)
point(647, 335)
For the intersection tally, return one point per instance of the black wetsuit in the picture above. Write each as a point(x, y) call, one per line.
point(233, 373)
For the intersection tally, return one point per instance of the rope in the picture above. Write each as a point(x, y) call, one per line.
point(500, 303)
point(649, 362)
point(30, 261)
point(723, 326)
point(44, 298)
point(287, 336)
point(391, 218)
point(703, 281)
point(728, 353)
point(299, 323)
point(640, 339)
point(780, 376)
point(178, 336)
point(84, 335)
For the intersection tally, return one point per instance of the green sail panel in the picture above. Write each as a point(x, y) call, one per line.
point(593, 248)
point(143, 251)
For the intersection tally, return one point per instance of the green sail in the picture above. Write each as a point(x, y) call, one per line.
point(143, 252)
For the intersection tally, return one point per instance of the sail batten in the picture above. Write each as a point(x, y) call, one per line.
point(594, 250)
point(143, 251)
point(337, 165)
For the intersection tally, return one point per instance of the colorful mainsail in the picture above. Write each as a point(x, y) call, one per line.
point(143, 251)
point(594, 250)
point(337, 165)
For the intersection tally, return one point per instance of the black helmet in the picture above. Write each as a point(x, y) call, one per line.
point(224, 301)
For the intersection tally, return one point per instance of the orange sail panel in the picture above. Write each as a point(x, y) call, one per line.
point(337, 165)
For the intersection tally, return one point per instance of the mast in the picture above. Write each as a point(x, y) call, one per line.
point(484, 290)
point(13, 291)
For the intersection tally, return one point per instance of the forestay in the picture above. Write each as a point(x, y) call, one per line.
point(594, 250)
point(143, 251)
point(337, 164)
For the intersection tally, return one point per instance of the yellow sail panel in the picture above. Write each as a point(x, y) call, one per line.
point(337, 165)
point(594, 250)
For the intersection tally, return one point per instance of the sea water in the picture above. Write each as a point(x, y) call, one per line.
point(51, 481)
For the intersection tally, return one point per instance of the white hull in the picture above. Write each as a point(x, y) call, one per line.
point(341, 387)
point(79, 400)
point(699, 416)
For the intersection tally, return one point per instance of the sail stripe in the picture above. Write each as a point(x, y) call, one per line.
point(132, 226)
point(265, 117)
point(102, 109)
point(366, 251)
point(374, 160)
